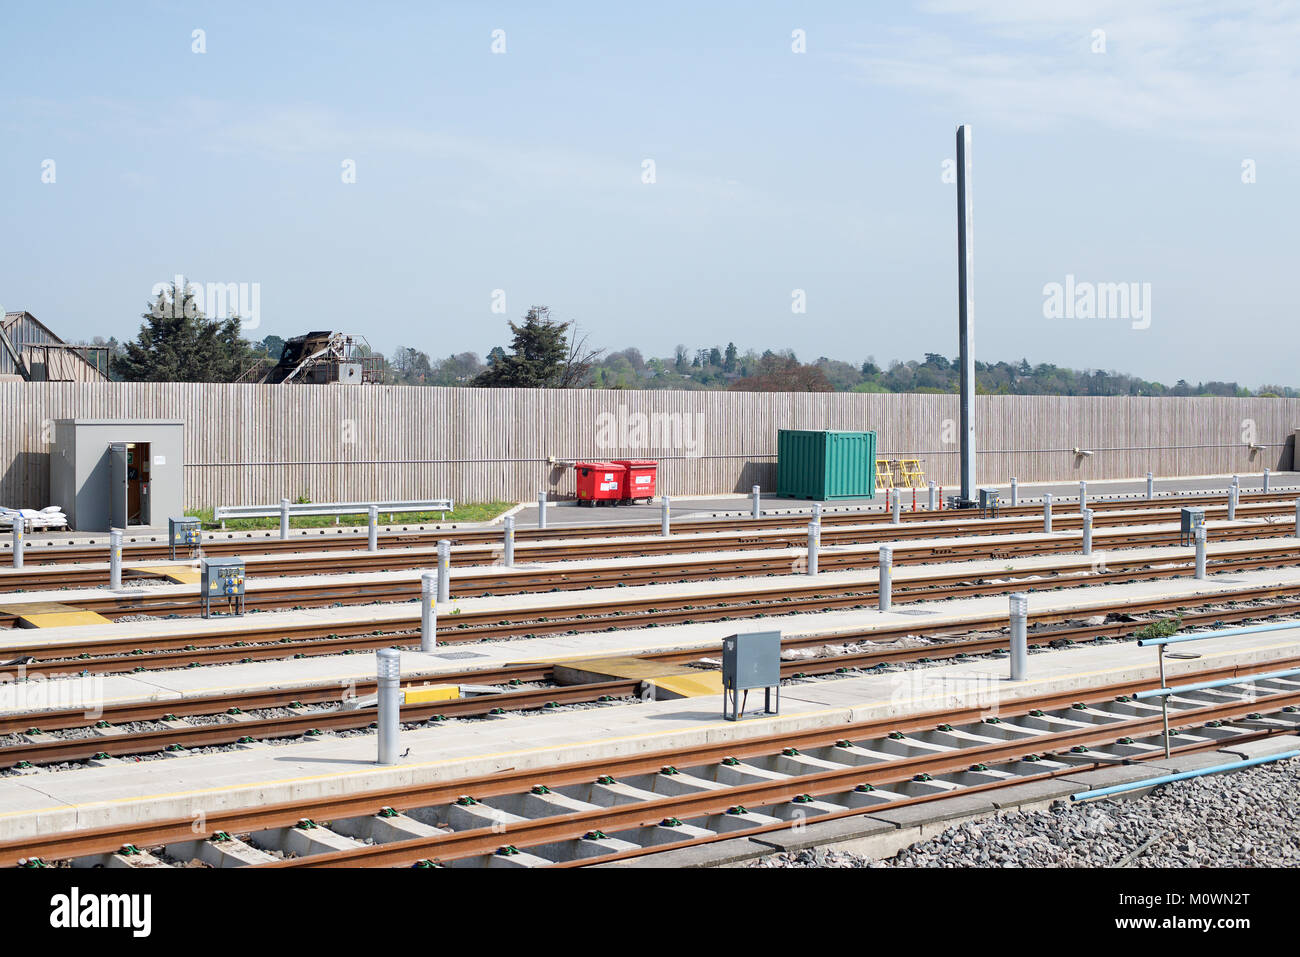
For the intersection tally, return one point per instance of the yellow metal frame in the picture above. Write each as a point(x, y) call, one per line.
point(910, 473)
point(884, 474)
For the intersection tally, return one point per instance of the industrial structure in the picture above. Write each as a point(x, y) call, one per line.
point(31, 352)
point(320, 358)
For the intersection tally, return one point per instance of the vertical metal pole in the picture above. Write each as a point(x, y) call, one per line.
point(1047, 511)
point(541, 508)
point(1232, 504)
point(817, 513)
point(934, 495)
point(1015, 491)
point(1200, 551)
point(428, 611)
point(388, 670)
point(756, 492)
point(1297, 518)
point(372, 543)
point(115, 559)
point(897, 506)
point(444, 570)
point(510, 541)
point(1083, 496)
point(886, 588)
point(1151, 486)
point(1019, 636)
point(966, 309)
point(665, 517)
point(1087, 531)
point(1164, 698)
point(1265, 480)
point(284, 518)
point(18, 541)
point(814, 542)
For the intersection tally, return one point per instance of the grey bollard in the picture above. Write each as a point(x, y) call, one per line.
point(18, 542)
point(388, 670)
point(115, 559)
point(1019, 636)
point(1232, 504)
point(284, 518)
point(1297, 518)
point(1083, 496)
point(510, 541)
point(933, 502)
point(541, 508)
point(428, 611)
point(814, 543)
point(897, 506)
point(1047, 511)
point(1265, 480)
point(444, 570)
point(1087, 531)
point(372, 543)
point(817, 513)
point(1015, 491)
point(665, 517)
point(1151, 486)
point(1200, 551)
point(757, 500)
point(886, 587)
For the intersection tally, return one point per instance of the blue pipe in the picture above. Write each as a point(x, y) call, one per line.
point(1222, 633)
point(1183, 776)
point(1220, 683)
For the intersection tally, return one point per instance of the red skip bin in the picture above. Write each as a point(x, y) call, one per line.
point(600, 481)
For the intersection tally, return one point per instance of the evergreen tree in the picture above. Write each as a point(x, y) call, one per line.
point(178, 343)
point(544, 356)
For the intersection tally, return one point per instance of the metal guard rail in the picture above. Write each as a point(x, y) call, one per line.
point(223, 512)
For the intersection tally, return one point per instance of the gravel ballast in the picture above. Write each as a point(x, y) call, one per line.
point(1242, 819)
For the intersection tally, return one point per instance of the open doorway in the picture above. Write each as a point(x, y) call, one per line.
point(130, 484)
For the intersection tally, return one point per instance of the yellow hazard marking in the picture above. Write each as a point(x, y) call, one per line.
point(52, 614)
point(426, 693)
point(180, 574)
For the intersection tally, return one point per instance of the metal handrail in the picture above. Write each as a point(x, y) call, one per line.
point(1218, 683)
point(1221, 633)
point(1181, 776)
point(223, 512)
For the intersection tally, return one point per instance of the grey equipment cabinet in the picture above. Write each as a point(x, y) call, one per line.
point(751, 660)
point(222, 578)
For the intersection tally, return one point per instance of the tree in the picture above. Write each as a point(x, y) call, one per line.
point(178, 343)
point(273, 346)
point(546, 356)
point(783, 373)
point(715, 357)
point(729, 357)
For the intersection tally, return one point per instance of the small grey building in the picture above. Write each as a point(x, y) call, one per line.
point(118, 473)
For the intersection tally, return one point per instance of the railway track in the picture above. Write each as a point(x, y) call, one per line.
point(251, 639)
point(241, 728)
point(618, 807)
point(51, 551)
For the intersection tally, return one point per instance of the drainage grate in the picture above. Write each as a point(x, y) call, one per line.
point(912, 611)
point(460, 654)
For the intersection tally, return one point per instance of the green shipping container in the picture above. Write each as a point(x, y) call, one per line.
point(823, 465)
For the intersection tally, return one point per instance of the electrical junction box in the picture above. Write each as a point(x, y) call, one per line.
point(350, 373)
point(989, 501)
point(1193, 518)
point(185, 533)
point(222, 578)
point(751, 660)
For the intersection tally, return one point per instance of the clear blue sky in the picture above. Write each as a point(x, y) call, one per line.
point(775, 171)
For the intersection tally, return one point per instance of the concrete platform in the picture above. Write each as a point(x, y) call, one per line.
point(203, 783)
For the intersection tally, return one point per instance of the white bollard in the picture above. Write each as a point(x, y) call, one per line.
point(1266, 480)
point(897, 506)
point(1019, 636)
point(1083, 496)
point(1047, 511)
point(428, 611)
point(1232, 504)
point(1087, 531)
point(933, 502)
point(1015, 491)
point(372, 543)
point(541, 508)
point(284, 518)
point(1297, 518)
point(388, 670)
point(510, 541)
point(756, 492)
point(817, 512)
point(115, 559)
point(1200, 551)
point(18, 542)
point(444, 570)
point(886, 587)
point(814, 542)
point(1151, 486)
point(665, 517)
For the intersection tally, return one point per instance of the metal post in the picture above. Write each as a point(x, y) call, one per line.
point(966, 309)
point(388, 669)
point(1200, 551)
point(1087, 531)
point(756, 492)
point(1047, 511)
point(1083, 496)
point(814, 543)
point(1015, 491)
point(665, 517)
point(1232, 504)
point(284, 518)
point(115, 559)
point(1265, 480)
point(1297, 518)
point(934, 495)
point(897, 506)
point(509, 556)
point(1151, 486)
point(373, 542)
point(428, 611)
point(1164, 698)
point(444, 570)
point(18, 541)
point(1019, 636)
point(817, 513)
point(886, 588)
point(541, 508)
